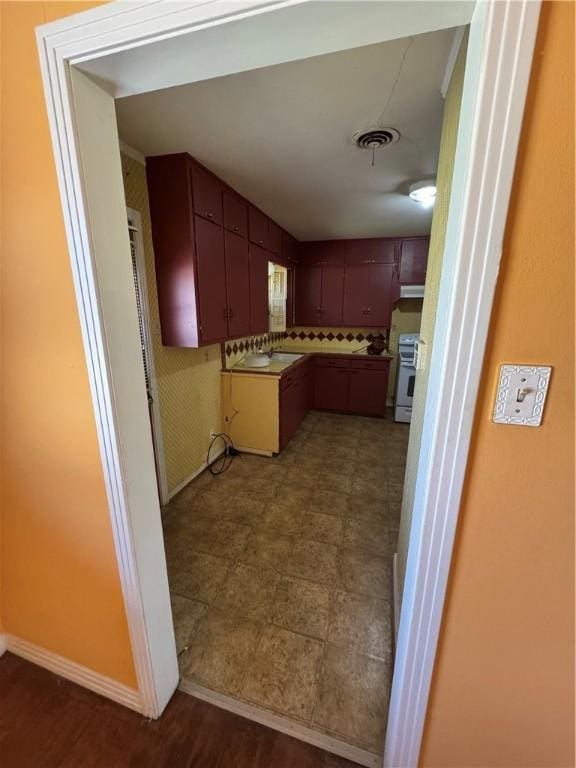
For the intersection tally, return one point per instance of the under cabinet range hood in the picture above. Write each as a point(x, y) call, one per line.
point(411, 291)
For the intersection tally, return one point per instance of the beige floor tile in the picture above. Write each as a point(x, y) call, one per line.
point(198, 576)
point(374, 510)
point(353, 697)
point(364, 573)
point(223, 539)
point(244, 509)
point(319, 527)
point(266, 549)
point(332, 481)
point(303, 607)
point(221, 651)
point(248, 592)
point(292, 492)
point(362, 623)
point(283, 518)
point(369, 488)
point(328, 502)
point(366, 533)
point(283, 674)
point(313, 561)
point(186, 615)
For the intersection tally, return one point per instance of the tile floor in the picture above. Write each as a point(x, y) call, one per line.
point(280, 573)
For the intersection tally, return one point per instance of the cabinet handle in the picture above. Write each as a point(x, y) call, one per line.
point(225, 313)
point(209, 214)
point(235, 229)
point(230, 313)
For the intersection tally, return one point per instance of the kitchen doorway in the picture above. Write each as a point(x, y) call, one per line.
point(502, 37)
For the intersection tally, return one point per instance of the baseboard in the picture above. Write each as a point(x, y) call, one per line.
point(3, 644)
point(395, 597)
point(193, 476)
point(282, 724)
point(254, 451)
point(76, 673)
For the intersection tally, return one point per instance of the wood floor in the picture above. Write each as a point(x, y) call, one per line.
point(47, 722)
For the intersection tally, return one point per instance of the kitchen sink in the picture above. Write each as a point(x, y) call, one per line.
point(284, 357)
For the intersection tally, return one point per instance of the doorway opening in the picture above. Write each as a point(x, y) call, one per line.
point(502, 33)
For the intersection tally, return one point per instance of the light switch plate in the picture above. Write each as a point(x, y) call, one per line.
point(521, 394)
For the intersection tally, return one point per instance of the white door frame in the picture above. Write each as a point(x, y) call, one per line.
point(157, 437)
point(500, 49)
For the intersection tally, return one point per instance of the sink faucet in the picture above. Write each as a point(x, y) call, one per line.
point(270, 352)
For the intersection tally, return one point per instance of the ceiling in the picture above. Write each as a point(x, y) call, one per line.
point(281, 135)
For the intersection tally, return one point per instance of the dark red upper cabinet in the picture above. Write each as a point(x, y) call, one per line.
point(257, 227)
point(332, 295)
point(356, 295)
point(170, 197)
point(207, 195)
point(274, 237)
point(413, 260)
point(380, 287)
point(368, 295)
point(308, 295)
point(323, 252)
point(237, 284)
point(289, 247)
point(377, 250)
point(211, 274)
point(259, 321)
point(235, 213)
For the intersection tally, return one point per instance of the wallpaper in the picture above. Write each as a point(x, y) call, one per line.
point(437, 237)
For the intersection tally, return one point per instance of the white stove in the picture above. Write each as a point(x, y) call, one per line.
point(405, 376)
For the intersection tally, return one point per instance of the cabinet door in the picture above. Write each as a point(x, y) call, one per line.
point(235, 213)
point(289, 247)
point(367, 392)
point(308, 296)
point(413, 260)
point(207, 195)
point(237, 284)
point(379, 303)
point(211, 276)
point(289, 412)
point(258, 289)
point(274, 237)
point(331, 389)
point(332, 295)
point(324, 252)
point(356, 295)
point(257, 227)
point(371, 250)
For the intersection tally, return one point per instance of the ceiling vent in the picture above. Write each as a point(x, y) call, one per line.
point(376, 138)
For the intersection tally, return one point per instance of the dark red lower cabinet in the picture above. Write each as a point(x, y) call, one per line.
point(331, 389)
point(367, 392)
point(296, 399)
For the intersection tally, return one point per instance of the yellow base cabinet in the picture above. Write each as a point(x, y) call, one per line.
point(250, 411)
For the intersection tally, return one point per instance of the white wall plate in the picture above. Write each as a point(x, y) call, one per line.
point(521, 394)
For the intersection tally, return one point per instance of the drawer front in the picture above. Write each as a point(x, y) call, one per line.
point(370, 365)
point(336, 361)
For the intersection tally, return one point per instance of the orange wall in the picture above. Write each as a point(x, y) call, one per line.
point(60, 583)
point(503, 689)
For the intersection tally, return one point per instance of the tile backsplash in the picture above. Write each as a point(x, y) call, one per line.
point(234, 351)
point(351, 339)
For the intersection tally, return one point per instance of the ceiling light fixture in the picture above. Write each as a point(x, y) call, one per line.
point(423, 192)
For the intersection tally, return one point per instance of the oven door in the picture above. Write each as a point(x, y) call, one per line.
point(406, 382)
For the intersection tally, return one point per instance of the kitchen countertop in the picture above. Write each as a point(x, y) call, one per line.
point(278, 368)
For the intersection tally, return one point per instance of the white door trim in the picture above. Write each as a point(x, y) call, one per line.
point(499, 58)
point(158, 439)
point(502, 40)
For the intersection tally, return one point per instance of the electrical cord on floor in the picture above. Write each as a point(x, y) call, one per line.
point(223, 461)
